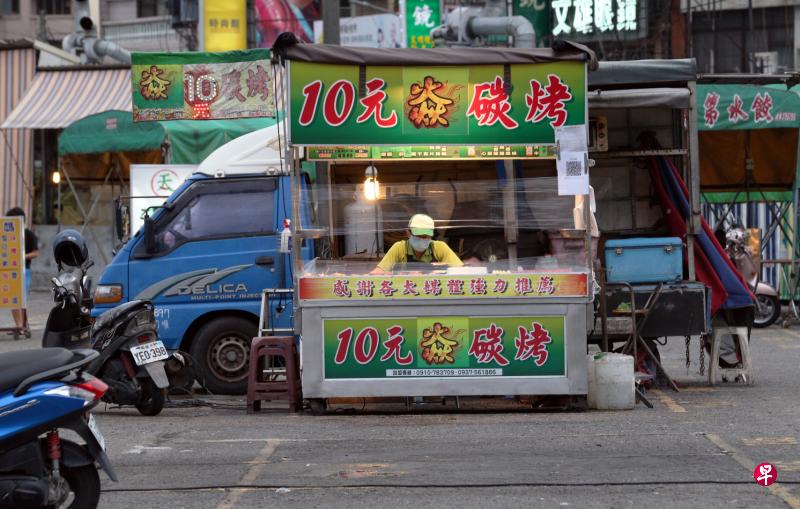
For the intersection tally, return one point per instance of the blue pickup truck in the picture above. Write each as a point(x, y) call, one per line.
point(205, 257)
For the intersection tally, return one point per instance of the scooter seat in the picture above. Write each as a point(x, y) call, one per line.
point(17, 366)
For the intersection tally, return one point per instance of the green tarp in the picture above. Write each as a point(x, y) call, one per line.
point(110, 131)
point(190, 140)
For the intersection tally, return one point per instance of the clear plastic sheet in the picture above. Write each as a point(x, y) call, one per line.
point(534, 265)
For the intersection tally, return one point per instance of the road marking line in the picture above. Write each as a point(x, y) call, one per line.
point(776, 489)
point(139, 449)
point(669, 402)
point(232, 497)
point(243, 440)
point(770, 441)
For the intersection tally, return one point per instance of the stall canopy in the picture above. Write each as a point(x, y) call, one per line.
point(57, 98)
point(748, 138)
point(189, 141)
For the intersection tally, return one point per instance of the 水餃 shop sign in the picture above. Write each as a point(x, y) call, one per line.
point(444, 347)
point(333, 104)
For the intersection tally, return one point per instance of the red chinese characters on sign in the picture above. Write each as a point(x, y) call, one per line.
point(532, 344)
point(710, 109)
point(232, 86)
point(373, 105)
point(258, 83)
point(340, 288)
point(736, 111)
point(548, 101)
point(365, 288)
point(500, 286)
point(762, 108)
point(387, 290)
point(455, 287)
point(428, 108)
point(432, 287)
point(523, 286)
point(490, 104)
point(478, 286)
point(487, 345)
point(410, 288)
point(546, 286)
point(393, 346)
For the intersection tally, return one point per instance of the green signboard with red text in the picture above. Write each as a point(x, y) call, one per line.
point(448, 105)
point(527, 346)
point(722, 107)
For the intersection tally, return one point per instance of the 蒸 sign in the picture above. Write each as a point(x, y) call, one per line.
point(481, 104)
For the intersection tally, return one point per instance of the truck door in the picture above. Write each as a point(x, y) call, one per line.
point(215, 251)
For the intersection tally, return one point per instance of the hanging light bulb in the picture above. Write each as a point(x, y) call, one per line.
point(56, 177)
point(371, 185)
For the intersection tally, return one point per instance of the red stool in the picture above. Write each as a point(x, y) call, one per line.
point(259, 389)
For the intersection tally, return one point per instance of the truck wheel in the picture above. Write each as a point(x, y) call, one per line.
point(221, 351)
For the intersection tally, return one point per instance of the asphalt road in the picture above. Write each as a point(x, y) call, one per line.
point(697, 447)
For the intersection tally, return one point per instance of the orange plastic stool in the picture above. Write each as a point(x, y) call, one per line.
point(289, 388)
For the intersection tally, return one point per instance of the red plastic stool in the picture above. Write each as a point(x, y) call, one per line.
point(289, 388)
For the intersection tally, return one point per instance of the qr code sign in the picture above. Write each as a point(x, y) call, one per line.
point(574, 168)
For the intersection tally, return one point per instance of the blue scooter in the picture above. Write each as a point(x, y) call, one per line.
point(42, 392)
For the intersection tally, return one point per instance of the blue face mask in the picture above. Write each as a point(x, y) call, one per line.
point(419, 244)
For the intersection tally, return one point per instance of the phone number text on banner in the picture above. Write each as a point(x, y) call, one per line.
point(443, 287)
point(445, 347)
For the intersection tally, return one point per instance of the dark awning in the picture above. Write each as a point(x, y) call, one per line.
point(643, 72)
point(334, 54)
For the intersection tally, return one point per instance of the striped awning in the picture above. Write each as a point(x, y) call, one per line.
point(57, 98)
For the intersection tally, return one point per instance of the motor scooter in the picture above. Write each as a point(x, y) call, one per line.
point(132, 358)
point(43, 392)
point(768, 303)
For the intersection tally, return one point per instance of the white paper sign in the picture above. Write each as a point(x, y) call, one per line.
point(151, 185)
point(572, 160)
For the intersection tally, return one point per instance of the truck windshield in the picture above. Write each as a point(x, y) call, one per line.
point(223, 212)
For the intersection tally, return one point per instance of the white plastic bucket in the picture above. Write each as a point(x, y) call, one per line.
point(614, 382)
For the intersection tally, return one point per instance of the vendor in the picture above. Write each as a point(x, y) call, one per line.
point(419, 247)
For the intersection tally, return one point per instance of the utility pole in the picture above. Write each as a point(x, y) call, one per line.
point(749, 47)
point(330, 22)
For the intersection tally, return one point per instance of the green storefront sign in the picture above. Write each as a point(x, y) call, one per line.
point(457, 105)
point(421, 17)
point(530, 346)
point(726, 107)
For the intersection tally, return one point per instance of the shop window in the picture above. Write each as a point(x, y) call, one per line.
point(9, 7)
point(53, 6)
point(147, 8)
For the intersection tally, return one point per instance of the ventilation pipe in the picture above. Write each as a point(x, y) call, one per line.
point(465, 24)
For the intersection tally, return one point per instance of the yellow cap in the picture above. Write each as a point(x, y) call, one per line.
point(420, 224)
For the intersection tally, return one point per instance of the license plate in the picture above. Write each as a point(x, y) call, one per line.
point(96, 432)
point(149, 352)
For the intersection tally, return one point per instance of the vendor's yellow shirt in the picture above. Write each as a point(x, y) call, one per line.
point(401, 252)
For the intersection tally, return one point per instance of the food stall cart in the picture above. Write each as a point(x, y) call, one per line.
point(475, 126)
point(748, 143)
point(647, 183)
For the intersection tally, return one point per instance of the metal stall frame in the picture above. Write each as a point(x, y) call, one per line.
point(311, 314)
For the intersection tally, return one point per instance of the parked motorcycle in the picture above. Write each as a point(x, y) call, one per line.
point(43, 392)
point(768, 303)
point(131, 358)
